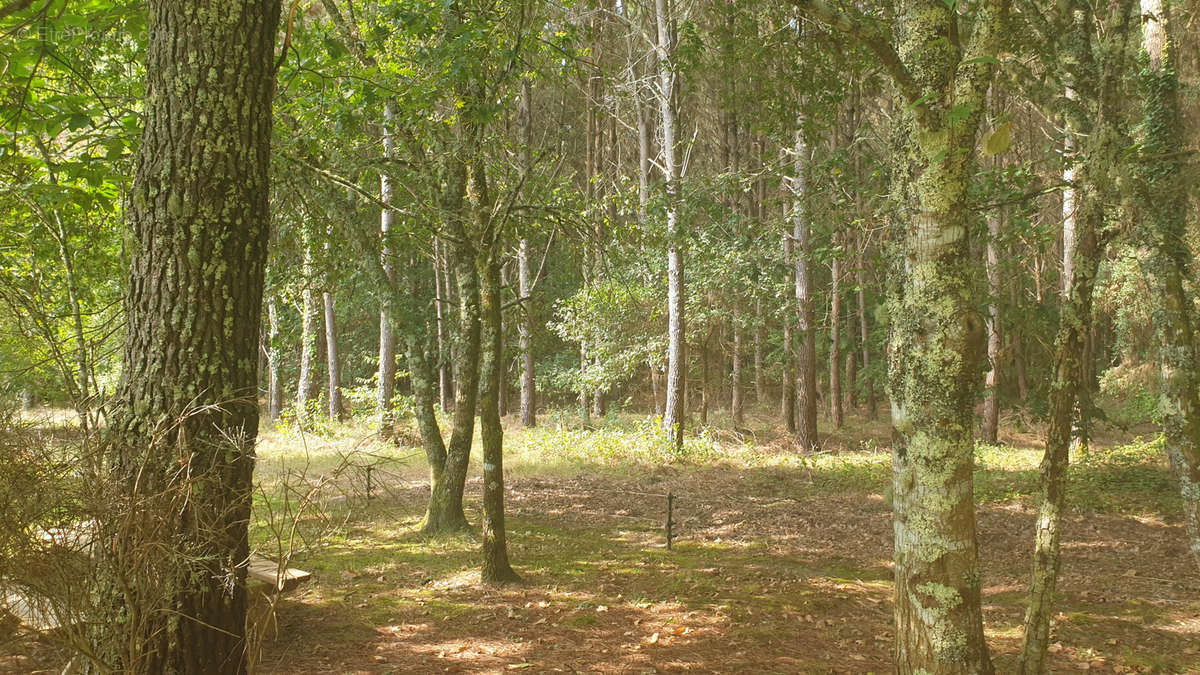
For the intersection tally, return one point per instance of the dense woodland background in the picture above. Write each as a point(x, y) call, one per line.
point(666, 237)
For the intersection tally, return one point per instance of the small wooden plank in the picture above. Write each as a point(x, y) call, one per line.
point(267, 571)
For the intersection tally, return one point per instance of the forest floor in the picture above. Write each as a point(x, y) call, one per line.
point(781, 561)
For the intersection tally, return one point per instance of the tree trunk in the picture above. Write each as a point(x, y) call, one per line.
point(307, 388)
point(1092, 176)
point(991, 404)
point(496, 568)
point(1018, 345)
point(1167, 225)
point(676, 351)
point(386, 386)
point(274, 385)
point(181, 430)
point(864, 329)
point(445, 510)
point(704, 383)
point(759, 337)
point(735, 396)
point(524, 280)
point(806, 381)
point(937, 342)
point(835, 343)
point(337, 408)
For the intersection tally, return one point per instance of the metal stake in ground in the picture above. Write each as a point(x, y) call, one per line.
point(670, 515)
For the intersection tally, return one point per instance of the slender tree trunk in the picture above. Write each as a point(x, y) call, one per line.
point(386, 385)
point(864, 329)
point(306, 388)
point(1092, 175)
point(991, 404)
point(676, 351)
point(735, 397)
point(443, 378)
point(496, 567)
point(524, 280)
point(787, 383)
point(274, 385)
point(1017, 345)
point(445, 510)
point(759, 337)
point(181, 430)
point(835, 344)
point(704, 383)
point(1174, 263)
point(337, 408)
point(806, 389)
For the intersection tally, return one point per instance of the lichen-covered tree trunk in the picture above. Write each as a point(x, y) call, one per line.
point(937, 342)
point(673, 416)
point(386, 386)
point(991, 403)
point(183, 421)
point(806, 365)
point(1165, 223)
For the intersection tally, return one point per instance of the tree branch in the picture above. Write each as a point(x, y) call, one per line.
point(870, 34)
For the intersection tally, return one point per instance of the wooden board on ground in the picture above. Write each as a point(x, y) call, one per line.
point(267, 571)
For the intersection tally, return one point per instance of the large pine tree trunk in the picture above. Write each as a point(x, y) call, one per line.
point(1174, 263)
point(673, 417)
point(806, 367)
point(183, 421)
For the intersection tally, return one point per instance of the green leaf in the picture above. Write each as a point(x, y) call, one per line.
point(78, 121)
point(999, 140)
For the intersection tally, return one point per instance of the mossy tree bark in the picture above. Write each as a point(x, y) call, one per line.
point(183, 421)
point(1165, 229)
point(496, 568)
point(942, 73)
point(448, 477)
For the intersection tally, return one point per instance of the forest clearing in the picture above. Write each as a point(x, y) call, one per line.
point(740, 336)
point(782, 562)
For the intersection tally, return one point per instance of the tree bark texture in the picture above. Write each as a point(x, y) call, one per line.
point(184, 419)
